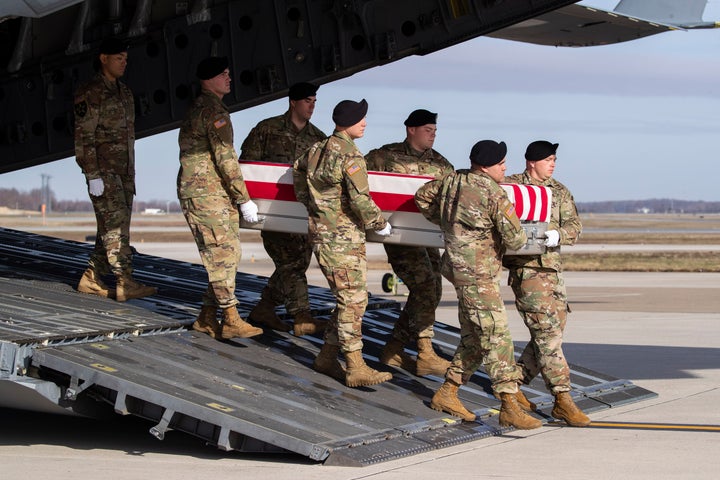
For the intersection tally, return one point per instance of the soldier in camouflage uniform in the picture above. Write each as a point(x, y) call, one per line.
point(539, 288)
point(331, 181)
point(417, 267)
point(105, 151)
point(282, 139)
point(478, 221)
point(210, 187)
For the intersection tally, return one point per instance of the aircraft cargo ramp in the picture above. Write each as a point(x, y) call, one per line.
point(65, 351)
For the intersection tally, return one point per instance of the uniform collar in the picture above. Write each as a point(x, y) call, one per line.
point(415, 153)
point(211, 97)
point(109, 84)
point(528, 179)
point(343, 135)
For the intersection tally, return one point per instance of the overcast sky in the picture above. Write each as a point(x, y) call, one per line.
point(636, 120)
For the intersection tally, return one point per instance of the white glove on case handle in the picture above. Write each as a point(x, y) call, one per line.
point(249, 211)
point(385, 232)
point(96, 187)
point(552, 238)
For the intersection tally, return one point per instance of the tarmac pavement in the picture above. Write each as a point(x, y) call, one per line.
point(659, 330)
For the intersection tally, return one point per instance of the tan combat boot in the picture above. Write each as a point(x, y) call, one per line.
point(428, 362)
point(512, 415)
point(446, 400)
point(305, 324)
point(234, 326)
point(207, 322)
point(127, 289)
point(91, 283)
point(524, 403)
point(521, 399)
point(565, 409)
point(327, 362)
point(264, 314)
point(394, 355)
point(358, 374)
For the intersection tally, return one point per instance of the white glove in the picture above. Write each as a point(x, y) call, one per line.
point(249, 211)
point(96, 187)
point(552, 238)
point(385, 232)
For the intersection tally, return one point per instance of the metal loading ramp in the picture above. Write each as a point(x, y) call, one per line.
point(262, 395)
point(249, 395)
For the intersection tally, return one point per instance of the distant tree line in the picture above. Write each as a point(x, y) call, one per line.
point(32, 200)
point(655, 205)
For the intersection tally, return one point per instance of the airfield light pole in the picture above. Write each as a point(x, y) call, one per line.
point(45, 195)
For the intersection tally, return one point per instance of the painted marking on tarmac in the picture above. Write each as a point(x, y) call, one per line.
point(656, 426)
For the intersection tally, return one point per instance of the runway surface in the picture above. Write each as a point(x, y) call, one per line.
point(659, 330)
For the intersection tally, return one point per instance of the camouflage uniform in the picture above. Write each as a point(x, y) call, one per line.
point(477, 220)
point(277, 140)
point(417, 267)
point(540, 295)
point(210, 186)
point(105, 149)
point(331, 181)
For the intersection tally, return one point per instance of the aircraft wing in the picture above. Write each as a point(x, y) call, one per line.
point(585, 26)
point(580, 26)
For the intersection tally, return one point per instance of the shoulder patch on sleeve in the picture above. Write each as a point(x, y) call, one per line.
point(352, 168)
point(222, 127)
point(508, 210)
point(81, 108)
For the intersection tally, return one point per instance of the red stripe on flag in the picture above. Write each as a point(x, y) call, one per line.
point(532, 200)
point(545, 214)
point(393, 202)
point(390, 202)
point(519, 204)
point(271, 191)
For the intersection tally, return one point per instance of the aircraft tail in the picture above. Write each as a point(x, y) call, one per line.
point(685, 14)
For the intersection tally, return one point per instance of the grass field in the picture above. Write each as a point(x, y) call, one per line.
point(599, 229)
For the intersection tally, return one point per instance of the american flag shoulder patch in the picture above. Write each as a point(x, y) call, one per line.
point(220, 123)
point(352, 169)
point(508, 210)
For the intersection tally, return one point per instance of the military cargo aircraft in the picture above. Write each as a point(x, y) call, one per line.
point(46, 49)
point(66, 352)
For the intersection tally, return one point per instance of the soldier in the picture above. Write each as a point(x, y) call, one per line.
point(478, 221)
point(539, 288)
point(105, 151)
point(210, 187)
point(417, 267)
point(282, 139)
point(331, 181)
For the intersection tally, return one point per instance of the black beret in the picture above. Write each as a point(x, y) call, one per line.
point(302, 90)
point(487, 153)
point(421, 117)
point(540, 150)
point(111, 46)
point(347, 113)
point(211, 67)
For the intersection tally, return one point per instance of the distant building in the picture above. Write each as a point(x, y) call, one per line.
point(153, 211)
